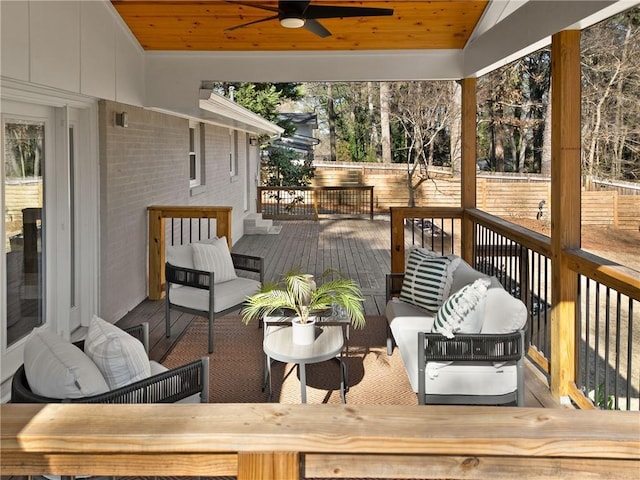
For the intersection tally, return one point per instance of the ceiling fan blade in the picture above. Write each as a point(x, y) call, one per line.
point(250, 23)
point(328, 11)
point(315, 27)
point(254, 5)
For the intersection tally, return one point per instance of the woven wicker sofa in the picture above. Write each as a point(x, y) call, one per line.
point(481, 364)
point(185, 384)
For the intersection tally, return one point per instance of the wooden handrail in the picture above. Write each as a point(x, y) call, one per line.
point(275, 441)
point(398, 214)
point(157, 216)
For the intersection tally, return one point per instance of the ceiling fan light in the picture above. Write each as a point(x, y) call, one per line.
point(292, 22)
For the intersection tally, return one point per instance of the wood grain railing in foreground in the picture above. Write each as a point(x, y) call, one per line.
point(158, 235)
point(288, 442)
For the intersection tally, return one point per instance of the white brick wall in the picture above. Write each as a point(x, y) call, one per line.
point(147, 164)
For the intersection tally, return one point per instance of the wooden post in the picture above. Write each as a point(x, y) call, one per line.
point(565, 205)
point(268, 466)
point(223, 225)
point(397, 240)
point(156, 254)
point(468, 180)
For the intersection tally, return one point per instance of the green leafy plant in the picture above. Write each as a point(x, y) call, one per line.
point(298, 293)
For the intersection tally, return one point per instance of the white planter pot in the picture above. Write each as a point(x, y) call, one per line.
point(303, 333)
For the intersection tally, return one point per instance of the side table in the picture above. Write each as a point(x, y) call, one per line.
point(329, 344)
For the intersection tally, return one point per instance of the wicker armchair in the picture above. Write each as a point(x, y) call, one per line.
point(167, 387)
point(220, 299)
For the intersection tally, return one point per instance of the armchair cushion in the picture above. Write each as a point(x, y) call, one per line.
point(225, 295)
point(427, 281)
point(179, 255)
point(463, 311)
point(214, 257)
point(56, 368)
point(120, 357)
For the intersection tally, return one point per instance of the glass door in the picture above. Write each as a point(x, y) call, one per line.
point(25, 226)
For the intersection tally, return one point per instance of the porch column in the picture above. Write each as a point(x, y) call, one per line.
point(468, 167)
point(565, 204)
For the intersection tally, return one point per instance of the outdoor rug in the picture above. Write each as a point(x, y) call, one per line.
point(237, 366)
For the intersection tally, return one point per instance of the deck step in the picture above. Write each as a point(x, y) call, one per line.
point(254, 224)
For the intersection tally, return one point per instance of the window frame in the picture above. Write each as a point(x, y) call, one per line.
point(195, 154)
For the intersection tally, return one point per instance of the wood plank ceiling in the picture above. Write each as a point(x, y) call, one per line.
point(201, 26)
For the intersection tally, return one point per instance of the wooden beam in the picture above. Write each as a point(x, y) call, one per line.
point(565, 205)
point(469, 148)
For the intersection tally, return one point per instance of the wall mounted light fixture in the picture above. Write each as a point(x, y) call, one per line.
point(122, 119)
point(253, 141)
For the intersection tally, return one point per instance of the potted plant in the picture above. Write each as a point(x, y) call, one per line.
point(298, 294)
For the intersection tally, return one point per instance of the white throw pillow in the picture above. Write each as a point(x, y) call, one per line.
point(427, 280)
point(462, 312)
point(120, 357)
point(214, 257)
point(56, 368)
point(503, 313)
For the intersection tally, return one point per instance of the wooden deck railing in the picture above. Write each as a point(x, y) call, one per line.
point(274, 441)
point(604, 356)
point(311, 202)
point(194, 229)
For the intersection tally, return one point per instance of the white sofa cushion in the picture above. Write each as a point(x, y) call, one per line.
point(179, 256)
point(225, 295)
point(56, 368)
point(470, 378)
point(502, 312)
point(214, 257)
point(120, 357)
point(427, 279)
point(462, 312)
point(405, 321)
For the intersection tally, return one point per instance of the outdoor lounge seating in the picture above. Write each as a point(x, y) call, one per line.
point(463, 342)
point(61, 372)
point(201, 279)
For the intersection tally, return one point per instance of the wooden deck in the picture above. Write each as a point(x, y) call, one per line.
point(360, 249)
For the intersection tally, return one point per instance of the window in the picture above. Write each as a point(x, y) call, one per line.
point(233, 153)
point(195, 161)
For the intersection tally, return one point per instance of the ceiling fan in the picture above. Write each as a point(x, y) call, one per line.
point(297, 14)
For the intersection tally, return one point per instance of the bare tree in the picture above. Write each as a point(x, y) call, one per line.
point(423, 109)
point(385, 124)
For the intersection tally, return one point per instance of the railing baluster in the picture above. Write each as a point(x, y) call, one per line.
point(629, 351)
point(618, 332)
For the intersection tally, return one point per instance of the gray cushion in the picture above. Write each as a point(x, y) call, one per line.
point(120, 357)
point(56, 368)
point(179, 256)
point(214, 257)
point(502, 312)
point(226, 294)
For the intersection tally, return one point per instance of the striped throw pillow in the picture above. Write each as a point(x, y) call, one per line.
point(463, 310)
point(214, 257)
point(427, 279)
point(120, 357)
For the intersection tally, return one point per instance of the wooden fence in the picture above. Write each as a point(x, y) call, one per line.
point(503, 195)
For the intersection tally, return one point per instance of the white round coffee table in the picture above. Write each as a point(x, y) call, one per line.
point(328, 345)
